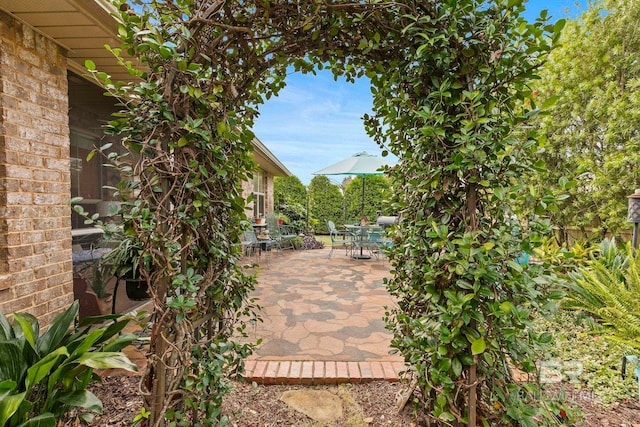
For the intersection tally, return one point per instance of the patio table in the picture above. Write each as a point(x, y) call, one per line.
point(360, 235)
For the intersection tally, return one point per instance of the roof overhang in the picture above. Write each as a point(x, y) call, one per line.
point(267, 160)
point(82, 27)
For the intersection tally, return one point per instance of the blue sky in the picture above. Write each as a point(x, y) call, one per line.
point(316, 121)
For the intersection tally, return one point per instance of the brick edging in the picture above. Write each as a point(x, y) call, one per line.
point(320, 371)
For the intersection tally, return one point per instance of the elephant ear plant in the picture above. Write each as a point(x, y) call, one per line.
point(44, 378)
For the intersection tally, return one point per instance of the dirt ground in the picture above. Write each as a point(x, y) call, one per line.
point(366, 405)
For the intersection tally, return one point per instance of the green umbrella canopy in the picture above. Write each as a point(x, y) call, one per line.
point(361, 164)
point(358, 164)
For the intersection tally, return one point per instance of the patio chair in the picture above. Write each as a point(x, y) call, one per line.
point(338, 239)
point(283, 236)
point(251, 245)
point(375, 243)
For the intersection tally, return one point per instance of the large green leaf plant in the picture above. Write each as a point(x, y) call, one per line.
point(607, 288)
point(45, 377)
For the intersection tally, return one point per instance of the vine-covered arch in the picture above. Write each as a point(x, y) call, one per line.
point(450, 83)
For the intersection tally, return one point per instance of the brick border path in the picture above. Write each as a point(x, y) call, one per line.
point(320, 372)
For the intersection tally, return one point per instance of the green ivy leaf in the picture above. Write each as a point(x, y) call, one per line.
point(478, 346)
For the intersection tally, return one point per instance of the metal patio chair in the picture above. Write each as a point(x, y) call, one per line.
point(338, 239)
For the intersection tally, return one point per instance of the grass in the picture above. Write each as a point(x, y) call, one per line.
point(324, 238)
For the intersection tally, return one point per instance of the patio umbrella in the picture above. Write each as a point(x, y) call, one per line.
point(360, 164)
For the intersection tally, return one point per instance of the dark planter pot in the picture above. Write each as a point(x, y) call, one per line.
point(137, 289)
point(89, 303)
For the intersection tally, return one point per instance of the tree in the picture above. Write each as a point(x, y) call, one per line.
point(592, 147)
point(325, 203)
point(375, 191)
point(290, 198)
point(289, 190)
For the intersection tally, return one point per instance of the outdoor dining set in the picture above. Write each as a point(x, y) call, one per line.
point(267, 236)
point(360, 241)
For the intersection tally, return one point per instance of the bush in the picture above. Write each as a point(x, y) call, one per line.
point(580, 355)
point(295, 216)
point(607, 287)
point(44, 378)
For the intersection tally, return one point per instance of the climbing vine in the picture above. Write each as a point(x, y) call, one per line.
point(446, 76)
point(448, 108)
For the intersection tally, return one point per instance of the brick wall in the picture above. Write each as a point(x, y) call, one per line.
point(35, 239)
point(247, 190)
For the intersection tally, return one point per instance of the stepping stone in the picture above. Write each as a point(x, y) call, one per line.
point(319, 405)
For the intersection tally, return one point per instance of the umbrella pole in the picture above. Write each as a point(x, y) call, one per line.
point(362, 206)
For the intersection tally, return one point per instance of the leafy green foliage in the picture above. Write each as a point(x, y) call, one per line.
point(326, 204)
point(375, 191)
point(290, 199)
point(294, 216)
point(591, 147)
point(448, 110)
point(448, 80)
point(44, 378)
point(184, 124)
point(563, 257)
point(607, 287)
point(580, 355)
point(288, 190)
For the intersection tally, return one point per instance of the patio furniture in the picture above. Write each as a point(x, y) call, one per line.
point(338, 239)
point(360, 164)
point(267, 243)
point(360, 236)
point(284, 237)
point(250, 245)
point(375, 242)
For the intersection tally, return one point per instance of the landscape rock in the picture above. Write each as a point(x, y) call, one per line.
point(320, 405)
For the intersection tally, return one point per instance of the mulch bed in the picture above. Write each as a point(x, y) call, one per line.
point(368, 404)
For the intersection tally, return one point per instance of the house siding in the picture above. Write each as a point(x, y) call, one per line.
point(35, 223)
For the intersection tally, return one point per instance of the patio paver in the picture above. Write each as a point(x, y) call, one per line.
point(326, 314)
point(321, 321)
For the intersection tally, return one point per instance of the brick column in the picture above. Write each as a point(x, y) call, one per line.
point(35, 238)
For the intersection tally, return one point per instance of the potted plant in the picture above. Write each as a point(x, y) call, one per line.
point(90, 288)
point(124, 259)
point(282, 219)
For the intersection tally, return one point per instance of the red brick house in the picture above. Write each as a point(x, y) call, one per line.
point(51, 115)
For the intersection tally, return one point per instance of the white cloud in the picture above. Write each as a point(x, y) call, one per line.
point(315, 122)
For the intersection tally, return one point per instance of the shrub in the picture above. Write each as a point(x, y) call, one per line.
point(607, 287)
point(583, 357)
point(44, 378)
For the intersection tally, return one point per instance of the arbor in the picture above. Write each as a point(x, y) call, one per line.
point(446, 78)
point(448, 109)
point(592, 134)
